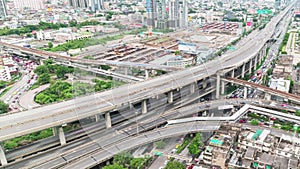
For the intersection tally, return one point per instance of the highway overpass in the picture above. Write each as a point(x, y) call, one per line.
point(265, 89)
point(116, 134)
point(39, 54)
point(22, 123)
point(198, 124)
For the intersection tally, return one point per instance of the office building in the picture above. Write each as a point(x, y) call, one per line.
point(3, 10)
point(79, 3)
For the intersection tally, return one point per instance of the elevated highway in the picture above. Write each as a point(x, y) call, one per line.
point(60, 58)
point(198, 124)
point(268, 90)
point(102, 140)
point(26, 122)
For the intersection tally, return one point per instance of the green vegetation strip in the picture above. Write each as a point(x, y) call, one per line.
point(125, 160)
point(28, 29)
point(5, 91)
point(186, 142)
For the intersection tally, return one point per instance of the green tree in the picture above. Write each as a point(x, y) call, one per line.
point(61, 71)
point(81, 88)
point(297, 113)
point(10, 144)
point(254, 122)
point(114, 166)
point(101, 85)
point(48, 61)
point(174, 165)
point(194, 147)
point(123, 158)
point(2, 84)
point(50, 44)
point(3, 107)
point(43, 99)
point(72, 23)
point(41, 70)
point(105, 67)
point(137, 163)
point(44, 78)
point(160, 144)
point(269, 71)
point(28, 35)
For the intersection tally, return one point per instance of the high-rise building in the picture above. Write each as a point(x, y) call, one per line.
point(162, 17)
point(96, 5)
point(93, 5)
point(183, 13)
point(173, 11)
point(29, 4)
point(164, 14)
point(151, 12)
point(79, 3)
point(3, 10)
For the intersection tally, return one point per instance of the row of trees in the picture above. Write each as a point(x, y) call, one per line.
point(29, 28)
point(196, 144)
point(44, 25)
point(125, 160)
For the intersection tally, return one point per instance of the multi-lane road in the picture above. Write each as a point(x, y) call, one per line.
point(109, 137)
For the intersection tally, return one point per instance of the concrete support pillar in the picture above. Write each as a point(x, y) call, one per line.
point(107, 120)
point(153, 72)
point(97, 117)
point(267, 96)
point(204, 83)
point(243, 70)
point(130, 105)
point(255, 62)
point(170, 97)
point(54, 131)
point(41, 62)
point(146, 74)
point(218, 86)
point(232, 75)
point(260, 57)
point(245, 92)
point(144, 106)
point(222, 88)
point(61, 136)
point(193, 87)
point(3, 159)
point(250, 66)
point(126, 70)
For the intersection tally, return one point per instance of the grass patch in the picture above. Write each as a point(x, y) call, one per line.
point(5, 91)
point(23, 140)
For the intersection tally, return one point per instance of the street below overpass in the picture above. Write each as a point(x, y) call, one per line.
point(102, 140)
